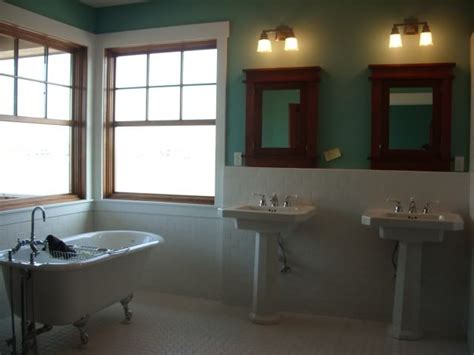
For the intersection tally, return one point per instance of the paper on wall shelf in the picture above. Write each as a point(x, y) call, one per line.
point(332, 154)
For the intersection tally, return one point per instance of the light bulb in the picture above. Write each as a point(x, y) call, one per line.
point(395, 41)
point(291, 44)
point(264, 45)
point(426, 39)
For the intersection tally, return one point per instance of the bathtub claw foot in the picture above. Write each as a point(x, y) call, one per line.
point(124, 302)
point(84, 339)
point(81, 326)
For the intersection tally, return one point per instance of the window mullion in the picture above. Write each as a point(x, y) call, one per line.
point(181, 87)
point(147, 91)
point(15, 73)
point(46, 55)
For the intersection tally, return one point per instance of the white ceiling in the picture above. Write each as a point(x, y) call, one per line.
point(105, 3)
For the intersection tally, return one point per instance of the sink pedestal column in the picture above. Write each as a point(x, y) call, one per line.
point(406, 305)
point(265, 279)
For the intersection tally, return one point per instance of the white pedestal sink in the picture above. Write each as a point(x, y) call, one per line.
point(411, 230)
point(268, 223)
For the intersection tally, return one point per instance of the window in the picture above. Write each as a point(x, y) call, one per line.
point(42, 115)
point(161, 122)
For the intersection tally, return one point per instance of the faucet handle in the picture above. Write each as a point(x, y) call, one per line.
point(274, 200)
point(263, 201)
point(426, 207)
point(398, 204)
point(287, 200)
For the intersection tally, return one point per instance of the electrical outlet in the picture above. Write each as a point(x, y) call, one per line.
point(237, 158)
point(459, 163)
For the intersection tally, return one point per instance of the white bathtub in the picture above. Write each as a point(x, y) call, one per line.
point(66, 291)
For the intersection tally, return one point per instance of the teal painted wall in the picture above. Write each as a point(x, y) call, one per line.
point(341, 36)
point(71, 12)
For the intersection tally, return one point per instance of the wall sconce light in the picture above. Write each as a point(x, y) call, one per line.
point(411, 27)
point(282, 33)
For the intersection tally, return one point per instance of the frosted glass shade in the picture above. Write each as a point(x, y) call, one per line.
point(426, 39)
point(395, 40)
point(264, 46)
point(291, 44)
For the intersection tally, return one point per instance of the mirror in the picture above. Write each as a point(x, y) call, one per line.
point(281, 117)
point(411, 116)
point(280, 108)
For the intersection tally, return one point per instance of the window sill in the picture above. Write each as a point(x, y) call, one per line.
point(156, 208)
point(19, 203)
point(198, 200)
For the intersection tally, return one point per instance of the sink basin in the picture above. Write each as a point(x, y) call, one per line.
point(410, 230)
point(266, 218)
point(412, 227)
point(267, 223)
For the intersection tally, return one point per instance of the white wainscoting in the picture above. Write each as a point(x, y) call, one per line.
point(340, 267)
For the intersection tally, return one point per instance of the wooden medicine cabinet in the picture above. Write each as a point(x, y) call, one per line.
point(411, 116)
point(281, 117)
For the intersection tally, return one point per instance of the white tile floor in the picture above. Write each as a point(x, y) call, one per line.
point(165, 324)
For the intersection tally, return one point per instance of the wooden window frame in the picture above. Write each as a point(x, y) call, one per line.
point(77, 121)
point(110, 124)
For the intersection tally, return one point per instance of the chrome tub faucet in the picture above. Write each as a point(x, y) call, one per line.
point(33, 241)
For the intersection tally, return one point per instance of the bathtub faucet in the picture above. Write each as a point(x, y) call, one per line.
point(34, 242)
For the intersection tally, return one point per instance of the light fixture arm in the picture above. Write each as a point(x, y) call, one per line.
point(281, 33)
point(411, 25)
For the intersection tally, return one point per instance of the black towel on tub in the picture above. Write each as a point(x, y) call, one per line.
point(58, 248)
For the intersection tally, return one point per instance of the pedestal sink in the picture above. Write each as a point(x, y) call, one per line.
point(411, 230)
point(268, 223)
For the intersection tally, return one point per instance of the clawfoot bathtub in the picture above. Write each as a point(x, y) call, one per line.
point(67, 290)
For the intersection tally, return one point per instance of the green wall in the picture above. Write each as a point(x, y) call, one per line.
point(341, 36)
point(71, 12)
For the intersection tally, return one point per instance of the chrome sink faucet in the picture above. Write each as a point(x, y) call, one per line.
point(287, 200)
point(427, 206)
point(263, 200)
point(412, 206)
point(33, 242)
point(398, 205)
point(274, 200)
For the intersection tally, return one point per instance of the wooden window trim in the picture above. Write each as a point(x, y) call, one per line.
point(109, 126)
point(77, 122)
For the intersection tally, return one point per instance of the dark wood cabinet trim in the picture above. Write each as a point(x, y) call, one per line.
point(439, 77)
